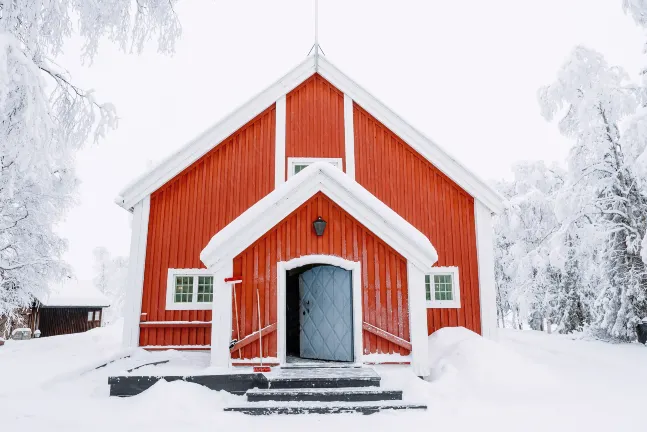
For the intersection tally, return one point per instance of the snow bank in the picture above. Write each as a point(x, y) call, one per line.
point(458, 355)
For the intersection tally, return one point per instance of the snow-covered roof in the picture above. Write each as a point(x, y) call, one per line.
point(379, 218)
point(73, 293)
point(194, 150)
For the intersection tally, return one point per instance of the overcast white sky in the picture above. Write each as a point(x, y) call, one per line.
point(464, 72)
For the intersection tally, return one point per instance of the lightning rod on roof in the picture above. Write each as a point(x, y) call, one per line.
point(316, 47)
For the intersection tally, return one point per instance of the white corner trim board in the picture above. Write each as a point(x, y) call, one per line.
point(455, 303)
point(485, 258)
point(279, 148)
point(173, 165)
point(356, 269)
point(349, 195)
point(349, 136)
point(221, 316)
point(135, 281)
point(170, 289)
point(418, 320)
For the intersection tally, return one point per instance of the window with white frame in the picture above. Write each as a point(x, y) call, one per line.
point(442, 288)
point(90, 316)
point(296, 165)
point(189, 289)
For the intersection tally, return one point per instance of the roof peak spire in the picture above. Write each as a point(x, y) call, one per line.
point(316, 47)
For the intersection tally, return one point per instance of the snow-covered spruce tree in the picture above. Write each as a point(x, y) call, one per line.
point(593, 101)
point(45, 118)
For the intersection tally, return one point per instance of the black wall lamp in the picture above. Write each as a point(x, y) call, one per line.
point(319, 226)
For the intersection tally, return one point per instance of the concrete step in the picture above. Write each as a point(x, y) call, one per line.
point(323, 378)
point(365, 394)
point(323, 408)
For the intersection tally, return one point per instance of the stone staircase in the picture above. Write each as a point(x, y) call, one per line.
point(323, 391)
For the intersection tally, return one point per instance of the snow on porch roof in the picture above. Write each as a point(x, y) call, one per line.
point(345, 192)
point(73, 293)
point(212, 137)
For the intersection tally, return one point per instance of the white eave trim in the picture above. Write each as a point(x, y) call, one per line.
point(174, 164)
point(194, 150)
point(345, 192)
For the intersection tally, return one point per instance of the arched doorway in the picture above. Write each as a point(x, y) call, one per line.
point(319, 310)
point(319, 314)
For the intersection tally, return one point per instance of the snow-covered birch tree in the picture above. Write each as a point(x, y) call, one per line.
point(110, 278)
point(45, 118)
point(597, 106)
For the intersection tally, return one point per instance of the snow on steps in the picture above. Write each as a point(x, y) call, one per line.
point(324, 408)
point(366, 394)
point(323, 391)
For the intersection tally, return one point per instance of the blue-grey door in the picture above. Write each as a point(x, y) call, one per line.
point(326, 314)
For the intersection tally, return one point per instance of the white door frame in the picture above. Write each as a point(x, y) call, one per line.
point(281, 276)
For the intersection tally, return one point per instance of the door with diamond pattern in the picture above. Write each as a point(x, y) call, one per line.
point(326, 314)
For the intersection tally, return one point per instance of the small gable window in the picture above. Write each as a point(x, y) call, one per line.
point(189, 289)
point(296, 165)
point(442, 288)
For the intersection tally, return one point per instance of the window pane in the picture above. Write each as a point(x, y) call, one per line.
point(96, 315)
point(90, 315)
point(183, 289)
point(427, 287)
point(298, 168)
point(443, 287)
point(205, 289)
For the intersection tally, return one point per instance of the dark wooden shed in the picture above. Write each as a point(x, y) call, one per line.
point(69, 308)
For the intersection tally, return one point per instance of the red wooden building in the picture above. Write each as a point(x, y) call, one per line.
point(225, 242)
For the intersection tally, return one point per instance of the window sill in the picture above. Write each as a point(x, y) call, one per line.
point(453, 304)
point(189, 306)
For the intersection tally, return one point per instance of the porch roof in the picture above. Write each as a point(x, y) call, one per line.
point(345, 192)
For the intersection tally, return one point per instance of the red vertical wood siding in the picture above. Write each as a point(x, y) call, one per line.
point(189, 210)
point(314, 121)
point(384, 274)
point(404, 180)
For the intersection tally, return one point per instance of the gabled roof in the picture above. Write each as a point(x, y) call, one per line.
point(73, 293)
point(194, 150)
point(340, 188)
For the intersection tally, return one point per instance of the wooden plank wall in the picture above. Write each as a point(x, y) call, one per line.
point(60, 321)
point(396, 174)
point(384, 273)
point(314, 121)
point(189, 210)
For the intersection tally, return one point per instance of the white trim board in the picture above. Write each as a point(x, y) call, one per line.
point(356, 273)
point(485, 259)
point(279, 148)
point(135, 281)
point(349, 195)
point(173, 165)
point(349, 136)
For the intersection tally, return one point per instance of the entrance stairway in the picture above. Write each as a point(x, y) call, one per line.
point(301, 390)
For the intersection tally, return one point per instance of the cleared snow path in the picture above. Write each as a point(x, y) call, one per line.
point(527, 382)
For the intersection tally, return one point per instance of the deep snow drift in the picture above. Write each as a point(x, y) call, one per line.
point(527, 381)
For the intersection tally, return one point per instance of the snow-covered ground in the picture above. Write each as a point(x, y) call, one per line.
point(527, 381)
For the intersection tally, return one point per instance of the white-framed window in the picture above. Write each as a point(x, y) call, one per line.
point(97, 315)
point(90, 316)
point(189, 289)
point(295, 165)
point(442, 288)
